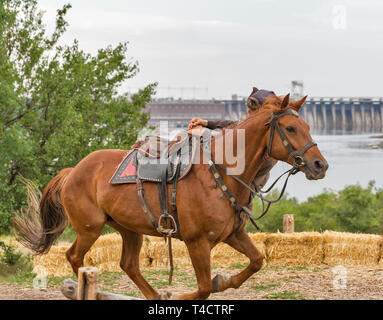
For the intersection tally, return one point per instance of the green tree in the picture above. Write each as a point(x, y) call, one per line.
point(57, 102)
point(273, 221)
point(353, 209)
point(359, 210)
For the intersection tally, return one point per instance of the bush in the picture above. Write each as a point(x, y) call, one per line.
point(13, 262)
point(353, 209)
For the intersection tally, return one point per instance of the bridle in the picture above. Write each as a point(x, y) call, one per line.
point(254, 192)
point(274, 125)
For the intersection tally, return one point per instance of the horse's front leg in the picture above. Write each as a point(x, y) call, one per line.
point(242, 243)
point(199, 251)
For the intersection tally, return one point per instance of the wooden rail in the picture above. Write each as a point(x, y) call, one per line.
point(86, 288)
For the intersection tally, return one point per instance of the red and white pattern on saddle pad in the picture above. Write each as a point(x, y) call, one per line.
point(127, 170)
point(130, 170)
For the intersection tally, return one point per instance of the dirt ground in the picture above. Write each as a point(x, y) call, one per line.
point(272, 282)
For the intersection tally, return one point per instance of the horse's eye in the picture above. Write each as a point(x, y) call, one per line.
point(290, 129)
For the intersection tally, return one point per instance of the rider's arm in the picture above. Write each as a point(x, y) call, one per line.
point(218, 124)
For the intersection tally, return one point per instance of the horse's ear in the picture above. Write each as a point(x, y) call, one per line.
point(285, 101)
point(298, 104)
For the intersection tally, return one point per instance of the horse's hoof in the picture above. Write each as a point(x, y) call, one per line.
point(219, 282)
point(165, 296)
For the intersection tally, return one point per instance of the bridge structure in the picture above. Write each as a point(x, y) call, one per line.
point(342, 114)
point(338, 115)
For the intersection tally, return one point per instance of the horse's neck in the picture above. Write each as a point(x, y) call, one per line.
point(250, 153)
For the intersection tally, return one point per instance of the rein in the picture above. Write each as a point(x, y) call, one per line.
point(254, 192)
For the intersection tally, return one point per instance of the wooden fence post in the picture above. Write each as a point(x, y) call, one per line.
point(288, 223)
point(87, 284)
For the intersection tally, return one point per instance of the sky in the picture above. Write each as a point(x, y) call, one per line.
point(214, 49)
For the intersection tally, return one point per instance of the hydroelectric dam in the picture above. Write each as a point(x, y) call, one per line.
point(337, 115)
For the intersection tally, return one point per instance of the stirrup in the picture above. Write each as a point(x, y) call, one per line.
point(167, 231)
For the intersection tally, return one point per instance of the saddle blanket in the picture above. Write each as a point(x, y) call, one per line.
point(127, 170)
point(138, 163)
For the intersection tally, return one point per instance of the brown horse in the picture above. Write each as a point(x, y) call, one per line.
point(84, 196)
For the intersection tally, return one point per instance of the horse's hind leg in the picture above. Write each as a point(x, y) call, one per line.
point(242, 243)
point(131, 247)
point(87, 220)
point(80, 247)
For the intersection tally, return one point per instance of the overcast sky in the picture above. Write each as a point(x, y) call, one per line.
point(227, 46)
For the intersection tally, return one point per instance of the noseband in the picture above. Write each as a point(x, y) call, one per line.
point(274, 125)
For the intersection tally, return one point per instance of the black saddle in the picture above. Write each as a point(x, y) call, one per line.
point(165, 164)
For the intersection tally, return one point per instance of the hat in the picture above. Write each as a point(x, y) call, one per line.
point(258, 97)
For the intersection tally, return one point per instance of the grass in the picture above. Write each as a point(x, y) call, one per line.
point(266, 286)
point(109, 278)
point(286, 295)
point(132, 294)
point(160, 272)
point(298, 268)
point(271, 267)
point(239, 266)
point(190, 282)
point(162, 283)
point(25, 279)
point(160, 278)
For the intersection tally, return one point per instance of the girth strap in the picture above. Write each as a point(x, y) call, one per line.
point(171, 224)
point(145, 207)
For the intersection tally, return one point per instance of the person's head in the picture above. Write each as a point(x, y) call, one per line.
point(256, 99)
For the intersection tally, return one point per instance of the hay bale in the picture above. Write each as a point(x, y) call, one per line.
point(223, 255)
point(105, 254)
point(157, 252)
point(303, 248)
point(54, 263)
point(342, 248)
point(259, 240)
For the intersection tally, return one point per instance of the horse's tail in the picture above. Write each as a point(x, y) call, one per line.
point(39, 226)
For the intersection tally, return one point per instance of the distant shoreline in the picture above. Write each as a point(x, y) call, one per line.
point(377, 137)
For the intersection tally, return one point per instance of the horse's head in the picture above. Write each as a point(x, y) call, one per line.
point(289, 138)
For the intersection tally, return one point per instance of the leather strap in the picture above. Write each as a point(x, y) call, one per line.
point(274, 125)
point(145, 207)
point(174, 199)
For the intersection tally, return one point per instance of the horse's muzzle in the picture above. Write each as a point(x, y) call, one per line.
point(316, 169)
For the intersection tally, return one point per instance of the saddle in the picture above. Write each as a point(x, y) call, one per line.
point(158, 160)
point(156, 146)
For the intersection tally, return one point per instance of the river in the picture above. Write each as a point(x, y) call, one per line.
point(350, 159)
